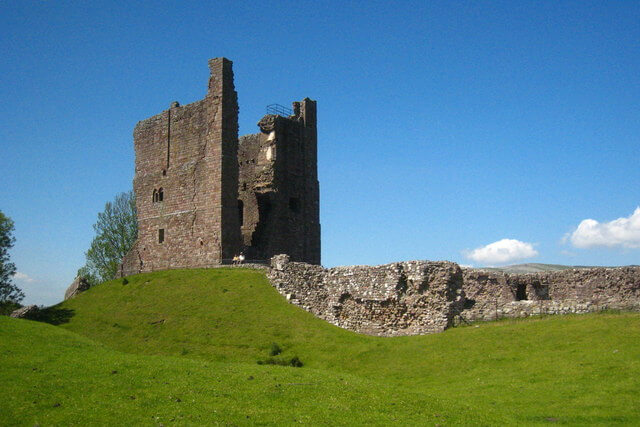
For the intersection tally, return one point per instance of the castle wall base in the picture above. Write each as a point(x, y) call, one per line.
point(423, 297)
point(405, 298)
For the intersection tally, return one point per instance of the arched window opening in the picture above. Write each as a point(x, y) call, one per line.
point(160, 195)
point(155, 195)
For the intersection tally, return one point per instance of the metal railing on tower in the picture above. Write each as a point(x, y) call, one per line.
point(279, 110)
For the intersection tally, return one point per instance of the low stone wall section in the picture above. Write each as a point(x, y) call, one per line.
point(421, 297)
point(490, 295)
point(405, 298)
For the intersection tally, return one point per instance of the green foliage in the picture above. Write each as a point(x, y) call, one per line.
point(116, 232)
point(275, 350)
point(89, 274)
point(180, 336)
point(9, 292)
point(8, 307)
point(294, 362)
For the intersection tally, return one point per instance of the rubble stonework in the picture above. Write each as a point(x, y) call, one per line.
point(79, 285)
point(26, 312)
point(203, 195)
point(491, 295)
point(405, 298)
point(420, 297)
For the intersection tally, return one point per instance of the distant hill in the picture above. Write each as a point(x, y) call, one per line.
point(531, 268)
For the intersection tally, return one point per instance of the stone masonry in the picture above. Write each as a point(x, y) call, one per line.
point(420, 297)
point(203, 195)
point(490, 295)
point(405, 298)
point(79, 285)
point(278, 187)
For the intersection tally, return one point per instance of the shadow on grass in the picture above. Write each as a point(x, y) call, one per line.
point(54, 315)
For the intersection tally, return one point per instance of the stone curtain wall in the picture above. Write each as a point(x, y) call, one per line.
point(490, 295)
point(421, 297)
point(406, 298)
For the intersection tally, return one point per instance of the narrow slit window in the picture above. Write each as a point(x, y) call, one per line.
point(241, 212)
point(160, 194)
point(155, 195)
point(161, 235)
point(294, 204)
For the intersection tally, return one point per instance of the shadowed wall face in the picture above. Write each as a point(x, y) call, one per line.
point(278, 187)
point(188, 153)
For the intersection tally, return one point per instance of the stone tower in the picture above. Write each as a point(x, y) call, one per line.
point(203, 195)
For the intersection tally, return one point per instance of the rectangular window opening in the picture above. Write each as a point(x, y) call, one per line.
point(161, 235)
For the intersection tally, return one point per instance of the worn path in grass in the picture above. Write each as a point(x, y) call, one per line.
point(217, 324)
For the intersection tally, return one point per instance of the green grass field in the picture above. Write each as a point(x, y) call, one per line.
point(182, 347)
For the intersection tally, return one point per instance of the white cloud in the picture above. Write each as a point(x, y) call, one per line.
point(621, 232)
point(502, 251)
point(23, 277)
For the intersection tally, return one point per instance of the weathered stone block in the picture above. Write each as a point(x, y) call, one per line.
point(26, 312)
point(79, 285)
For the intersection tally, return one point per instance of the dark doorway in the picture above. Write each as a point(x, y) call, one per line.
point(260, 237)
point(521, 292)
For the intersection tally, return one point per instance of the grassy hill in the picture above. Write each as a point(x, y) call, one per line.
point(183, 347)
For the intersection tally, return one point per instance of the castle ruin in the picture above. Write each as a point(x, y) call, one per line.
point(203, 195)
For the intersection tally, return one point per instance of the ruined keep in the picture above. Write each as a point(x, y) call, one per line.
point(203, 195)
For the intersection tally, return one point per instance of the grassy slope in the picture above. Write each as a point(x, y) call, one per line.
point(54, 377)
point(572, 369)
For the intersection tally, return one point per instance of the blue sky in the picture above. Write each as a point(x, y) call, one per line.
point(478, 132)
